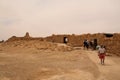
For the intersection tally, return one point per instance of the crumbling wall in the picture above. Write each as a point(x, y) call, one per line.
point(26, 37)
point(112, 43)
point(76, 40)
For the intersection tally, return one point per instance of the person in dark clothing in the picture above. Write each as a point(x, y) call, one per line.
point(95, 44)
point(91, 44)
point(86, 44)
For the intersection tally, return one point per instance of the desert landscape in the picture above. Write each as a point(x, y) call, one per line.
point(59, 39)
point(39, 59)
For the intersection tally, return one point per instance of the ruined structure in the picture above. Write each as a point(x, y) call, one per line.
point(26, 37)
point(111, 41)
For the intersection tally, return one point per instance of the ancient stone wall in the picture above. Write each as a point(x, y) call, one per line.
point(112, 43)
point(76, 40)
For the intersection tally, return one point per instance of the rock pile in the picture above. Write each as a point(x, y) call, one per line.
point(36, 44)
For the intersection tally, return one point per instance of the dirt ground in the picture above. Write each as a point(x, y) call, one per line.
point(44, 64)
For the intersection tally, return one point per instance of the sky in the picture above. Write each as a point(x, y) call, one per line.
point(46, 17)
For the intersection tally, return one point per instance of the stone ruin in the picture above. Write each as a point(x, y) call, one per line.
point(111, 41)
point(26, 37)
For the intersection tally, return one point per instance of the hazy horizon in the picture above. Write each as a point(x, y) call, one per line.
point(46, 17)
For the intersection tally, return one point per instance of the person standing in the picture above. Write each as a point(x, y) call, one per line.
point(101, 54)
point(91, 44)
point(86, 44)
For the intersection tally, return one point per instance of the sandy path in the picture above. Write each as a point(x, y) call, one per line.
point(47, 65)
point(110, 70)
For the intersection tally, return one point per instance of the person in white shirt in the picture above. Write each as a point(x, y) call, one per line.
point(101, 54)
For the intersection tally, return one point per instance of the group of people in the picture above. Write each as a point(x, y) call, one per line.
point(88, 44)
point(101, 49)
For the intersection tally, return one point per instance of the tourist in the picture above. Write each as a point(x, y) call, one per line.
point(91, 44)
point(97, 47)
point(86, 44)
point(101, 54)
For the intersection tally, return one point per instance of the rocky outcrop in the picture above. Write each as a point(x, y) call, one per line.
point(26, 37)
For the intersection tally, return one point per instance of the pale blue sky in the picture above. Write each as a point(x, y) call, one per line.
point(47, 17)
